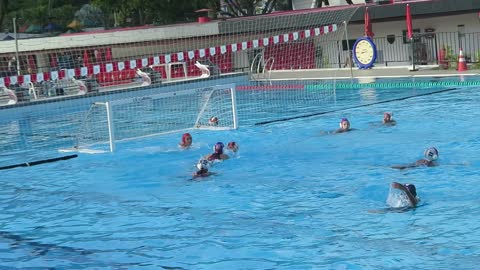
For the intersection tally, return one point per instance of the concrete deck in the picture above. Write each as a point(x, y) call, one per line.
point(375, 72)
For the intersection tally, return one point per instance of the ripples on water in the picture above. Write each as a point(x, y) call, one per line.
point(291, 199)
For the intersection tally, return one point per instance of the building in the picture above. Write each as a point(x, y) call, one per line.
point(300, 39)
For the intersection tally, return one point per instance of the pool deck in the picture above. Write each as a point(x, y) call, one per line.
point(375, 72)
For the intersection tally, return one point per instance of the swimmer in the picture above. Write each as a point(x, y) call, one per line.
point(202, 167)
point(344, 126)
point(186, 141)
point(217, 153)
point(431, 155)
point(387, 119)
point(408, 189)
point(213, 121)
point(232, 146)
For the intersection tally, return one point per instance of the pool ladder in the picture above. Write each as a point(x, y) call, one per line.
point(261, 70)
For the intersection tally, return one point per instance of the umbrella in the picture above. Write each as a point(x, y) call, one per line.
point(409, 23)
point(368, 24)
point(75, 24)
point(33, 28)
point(23, 28)
point(51, 27)
point(8, 37)
point(85, 58)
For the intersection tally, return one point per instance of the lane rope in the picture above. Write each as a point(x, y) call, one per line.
point(38, 162)
point(352, 107)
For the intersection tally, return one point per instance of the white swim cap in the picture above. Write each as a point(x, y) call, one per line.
point(431, 154)
point(202, 164)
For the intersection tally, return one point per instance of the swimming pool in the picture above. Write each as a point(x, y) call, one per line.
point(292, 198)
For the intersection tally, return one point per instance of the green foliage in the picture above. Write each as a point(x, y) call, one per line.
point(477, 58)
point(451, 57)
point(90, 16)
point(38, 12)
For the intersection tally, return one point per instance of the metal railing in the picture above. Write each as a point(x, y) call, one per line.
point(429, 48)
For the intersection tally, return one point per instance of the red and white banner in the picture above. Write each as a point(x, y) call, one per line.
point(89, 69)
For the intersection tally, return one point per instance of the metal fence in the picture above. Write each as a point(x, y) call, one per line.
point(429, 48)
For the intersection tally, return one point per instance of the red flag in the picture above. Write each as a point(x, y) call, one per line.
point(368, 24)
point(85, 58)
point(409, 23)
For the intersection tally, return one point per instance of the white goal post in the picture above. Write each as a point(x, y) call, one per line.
point(125, 119)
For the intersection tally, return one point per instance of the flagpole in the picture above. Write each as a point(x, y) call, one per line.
point(413, 53)
point(16, 44)
point(350, 60)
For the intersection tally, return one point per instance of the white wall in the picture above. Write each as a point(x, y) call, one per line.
point(303, 4)
point(446, 24)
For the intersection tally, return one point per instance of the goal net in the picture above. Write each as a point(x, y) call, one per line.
point(290, 45)
point(212, 108)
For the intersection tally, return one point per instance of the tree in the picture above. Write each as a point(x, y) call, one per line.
point(3, 10)
point(90, 16)
point(236, 8)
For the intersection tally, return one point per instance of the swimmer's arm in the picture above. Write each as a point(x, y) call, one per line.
point(413, 200)
point(403, 167)
point(202, 175)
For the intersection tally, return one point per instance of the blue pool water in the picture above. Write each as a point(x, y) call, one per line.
point(293, 197)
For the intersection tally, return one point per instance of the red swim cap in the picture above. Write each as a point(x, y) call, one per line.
point(185, 136)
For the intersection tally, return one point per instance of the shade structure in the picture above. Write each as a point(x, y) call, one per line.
point(368, 24)
point(409, 22)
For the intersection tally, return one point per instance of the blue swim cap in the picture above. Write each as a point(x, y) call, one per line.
point(431, 154)
point(412, 189)
point(218, 148)
point(343, 120)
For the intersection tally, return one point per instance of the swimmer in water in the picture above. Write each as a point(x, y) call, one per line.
point(409, 190)
point(233, 146)
point(202, 167)
point(186, 141)
point(213, 121)
point(344, 126)
point(431, 155)
point(217, 153)
point(387, 119)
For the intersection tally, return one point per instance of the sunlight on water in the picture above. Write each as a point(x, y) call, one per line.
point(293, 197)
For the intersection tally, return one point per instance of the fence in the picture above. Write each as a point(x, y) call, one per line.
point(428, 48)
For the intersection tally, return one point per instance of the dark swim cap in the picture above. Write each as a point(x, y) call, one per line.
point(412, 189)
point(218, 148)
